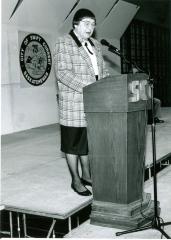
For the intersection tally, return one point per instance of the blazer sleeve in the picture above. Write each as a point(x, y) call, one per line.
point(63, 67)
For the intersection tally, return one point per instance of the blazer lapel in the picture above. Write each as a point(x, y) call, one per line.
point(86, 57)
point(83, 52)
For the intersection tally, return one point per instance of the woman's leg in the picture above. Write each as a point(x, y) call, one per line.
point(72, 161)
point(85, 165)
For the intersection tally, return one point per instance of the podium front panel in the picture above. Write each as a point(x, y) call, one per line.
point(116, 152)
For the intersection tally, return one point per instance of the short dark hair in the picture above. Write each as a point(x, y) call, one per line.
point(82, 13)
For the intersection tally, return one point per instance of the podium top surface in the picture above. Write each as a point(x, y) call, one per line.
point(121, 93)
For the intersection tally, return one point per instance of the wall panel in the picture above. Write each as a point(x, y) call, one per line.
point(118, 20)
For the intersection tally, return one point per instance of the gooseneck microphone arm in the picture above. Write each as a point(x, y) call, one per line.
point(115, 50)
point(110, 47)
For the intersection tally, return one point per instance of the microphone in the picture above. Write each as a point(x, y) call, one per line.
point(111, 47)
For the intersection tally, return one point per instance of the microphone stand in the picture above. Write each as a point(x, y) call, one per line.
point(156, 221)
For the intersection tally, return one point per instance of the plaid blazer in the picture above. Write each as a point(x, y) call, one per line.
point(74, 71)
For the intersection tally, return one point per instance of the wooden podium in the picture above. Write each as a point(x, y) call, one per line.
point(115, 109)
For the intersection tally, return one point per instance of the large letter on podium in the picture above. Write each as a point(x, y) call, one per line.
point(115, 109)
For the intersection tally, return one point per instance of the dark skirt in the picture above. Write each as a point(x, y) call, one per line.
point(74, 140)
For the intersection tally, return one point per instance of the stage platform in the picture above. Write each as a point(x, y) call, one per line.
point(35, 177)
point(163, 139)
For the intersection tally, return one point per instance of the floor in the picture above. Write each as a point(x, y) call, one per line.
point(34, 168)
point(87, 230)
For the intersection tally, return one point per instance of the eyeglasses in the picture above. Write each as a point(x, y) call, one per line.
point(87, 24)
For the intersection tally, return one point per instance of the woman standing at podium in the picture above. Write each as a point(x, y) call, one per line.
point(78, 63)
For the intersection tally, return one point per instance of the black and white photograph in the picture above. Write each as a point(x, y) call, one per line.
point(101, 69)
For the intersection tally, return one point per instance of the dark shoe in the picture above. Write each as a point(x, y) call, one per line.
point(157, 120)
point(85, 182)
point(84, 193)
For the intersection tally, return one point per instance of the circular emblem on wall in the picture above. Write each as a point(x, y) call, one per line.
point(35, 59)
